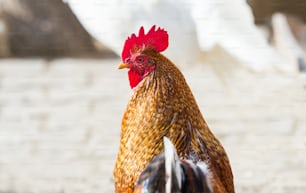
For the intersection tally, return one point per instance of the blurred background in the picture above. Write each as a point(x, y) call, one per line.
point(62, 98)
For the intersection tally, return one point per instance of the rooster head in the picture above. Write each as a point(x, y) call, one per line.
point(134, 57)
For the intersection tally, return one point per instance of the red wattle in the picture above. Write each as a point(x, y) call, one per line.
point(134, 78)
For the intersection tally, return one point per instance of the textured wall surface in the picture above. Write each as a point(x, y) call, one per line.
point(60, 125)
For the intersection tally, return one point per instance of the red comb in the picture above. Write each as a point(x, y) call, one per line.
point(157, 40)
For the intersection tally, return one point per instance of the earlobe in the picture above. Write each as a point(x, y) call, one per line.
point(151, 62)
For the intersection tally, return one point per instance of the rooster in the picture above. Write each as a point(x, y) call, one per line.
point(162, 105)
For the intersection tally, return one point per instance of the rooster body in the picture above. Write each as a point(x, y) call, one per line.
point(162, 104)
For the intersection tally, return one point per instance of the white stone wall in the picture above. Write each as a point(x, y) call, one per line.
point(60, 125)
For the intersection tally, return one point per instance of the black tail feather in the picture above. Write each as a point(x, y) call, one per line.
point(166, 173)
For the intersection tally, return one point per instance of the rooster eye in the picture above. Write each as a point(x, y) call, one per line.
point(139, 59)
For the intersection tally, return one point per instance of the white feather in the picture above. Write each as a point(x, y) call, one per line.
point(171, 161)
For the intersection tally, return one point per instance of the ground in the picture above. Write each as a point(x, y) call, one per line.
point(60, 124)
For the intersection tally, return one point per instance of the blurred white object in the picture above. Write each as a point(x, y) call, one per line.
point(194, 26)
point(285, 41)
point(231, 25)
point(111, 22)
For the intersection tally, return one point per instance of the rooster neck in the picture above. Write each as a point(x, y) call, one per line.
point(164, 97)
point(162, 105)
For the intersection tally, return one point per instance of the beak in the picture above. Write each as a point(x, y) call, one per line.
point(123, 65)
